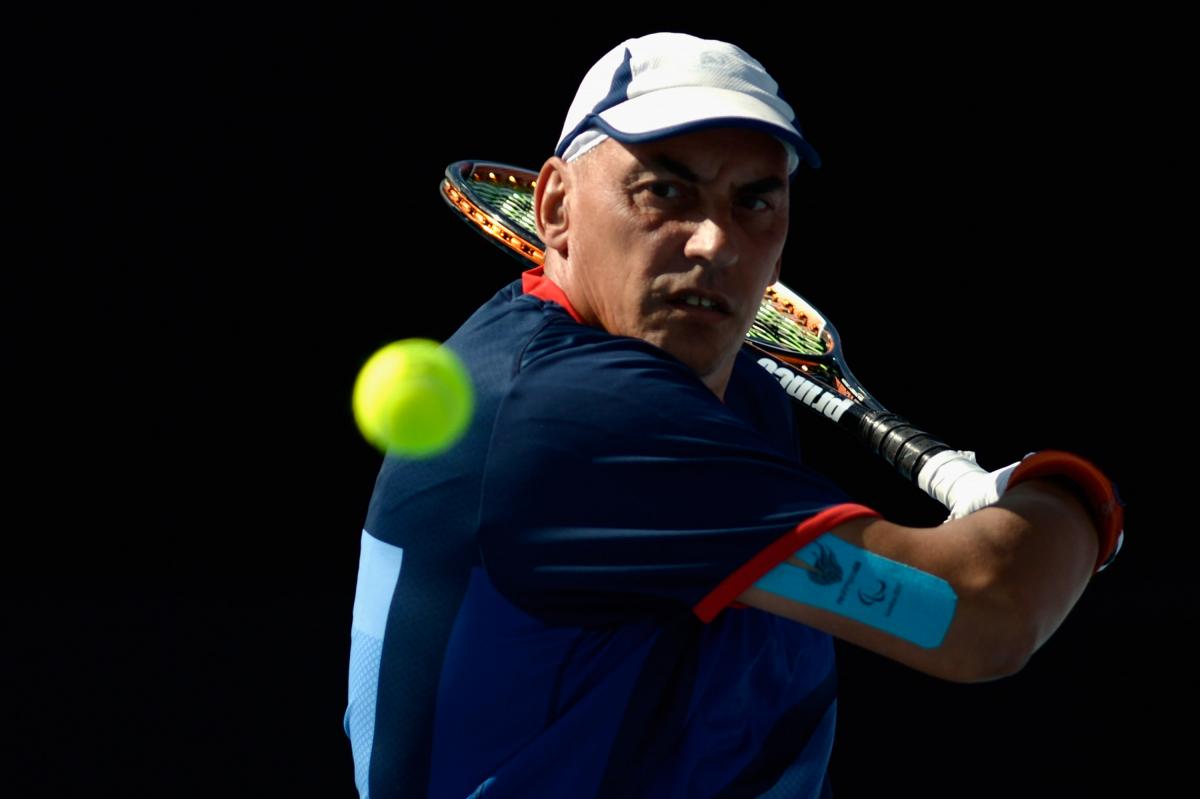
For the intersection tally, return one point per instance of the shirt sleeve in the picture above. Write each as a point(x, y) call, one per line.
point(617, 486)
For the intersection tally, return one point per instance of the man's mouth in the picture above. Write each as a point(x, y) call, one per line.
point(703, 301)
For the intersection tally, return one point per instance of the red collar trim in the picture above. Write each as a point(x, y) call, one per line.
point(536, 283)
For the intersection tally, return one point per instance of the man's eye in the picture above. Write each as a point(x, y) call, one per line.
point(667, 191)
point(755, 203)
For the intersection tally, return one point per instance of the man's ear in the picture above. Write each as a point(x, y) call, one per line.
point(550, 204)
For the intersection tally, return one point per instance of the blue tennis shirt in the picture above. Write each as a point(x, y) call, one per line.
point(548, 609)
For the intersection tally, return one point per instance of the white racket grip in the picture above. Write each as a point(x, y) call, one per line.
point(954, 479)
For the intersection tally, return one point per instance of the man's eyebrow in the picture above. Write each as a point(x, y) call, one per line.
point(761, 186)
point(675, 167)
point(764, 186)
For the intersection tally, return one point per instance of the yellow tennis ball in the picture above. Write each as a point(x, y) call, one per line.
point(413, 398)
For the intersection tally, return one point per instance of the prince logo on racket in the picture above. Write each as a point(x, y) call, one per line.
point(806, 391)
point(624, 582)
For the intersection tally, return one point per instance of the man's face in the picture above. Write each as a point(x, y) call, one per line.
point(674, 241)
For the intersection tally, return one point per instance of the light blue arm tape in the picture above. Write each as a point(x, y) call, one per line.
point(852, 582)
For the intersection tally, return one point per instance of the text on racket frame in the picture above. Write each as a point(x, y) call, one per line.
point(811, 394)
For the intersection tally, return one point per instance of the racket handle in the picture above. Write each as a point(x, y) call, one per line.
point(907, 448)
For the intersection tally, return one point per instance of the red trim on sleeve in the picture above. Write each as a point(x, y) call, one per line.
point(725, 594)
point(536, 283)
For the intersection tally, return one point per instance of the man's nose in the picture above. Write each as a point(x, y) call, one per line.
point(712, 240)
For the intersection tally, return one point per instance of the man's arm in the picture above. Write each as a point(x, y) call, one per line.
point(1017, 568)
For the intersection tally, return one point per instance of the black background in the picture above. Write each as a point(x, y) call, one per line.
point(227, 215)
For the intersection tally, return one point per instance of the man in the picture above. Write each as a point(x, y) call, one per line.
point(623, 582)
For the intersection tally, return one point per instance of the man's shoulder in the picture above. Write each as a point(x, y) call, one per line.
point(562, 344)
point(493, 340)
point(513, 314)
point(563, 354)
point(544, 339)
point(533, 346)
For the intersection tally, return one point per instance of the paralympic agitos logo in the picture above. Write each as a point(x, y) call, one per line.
point(805, 390)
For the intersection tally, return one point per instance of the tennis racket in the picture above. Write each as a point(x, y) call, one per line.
point(790, 338)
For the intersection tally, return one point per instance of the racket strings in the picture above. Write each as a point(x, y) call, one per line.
point(486, 219)
point(509, 195)
point(782, 323)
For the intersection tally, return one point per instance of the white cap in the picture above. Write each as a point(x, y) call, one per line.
point(665, 84)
